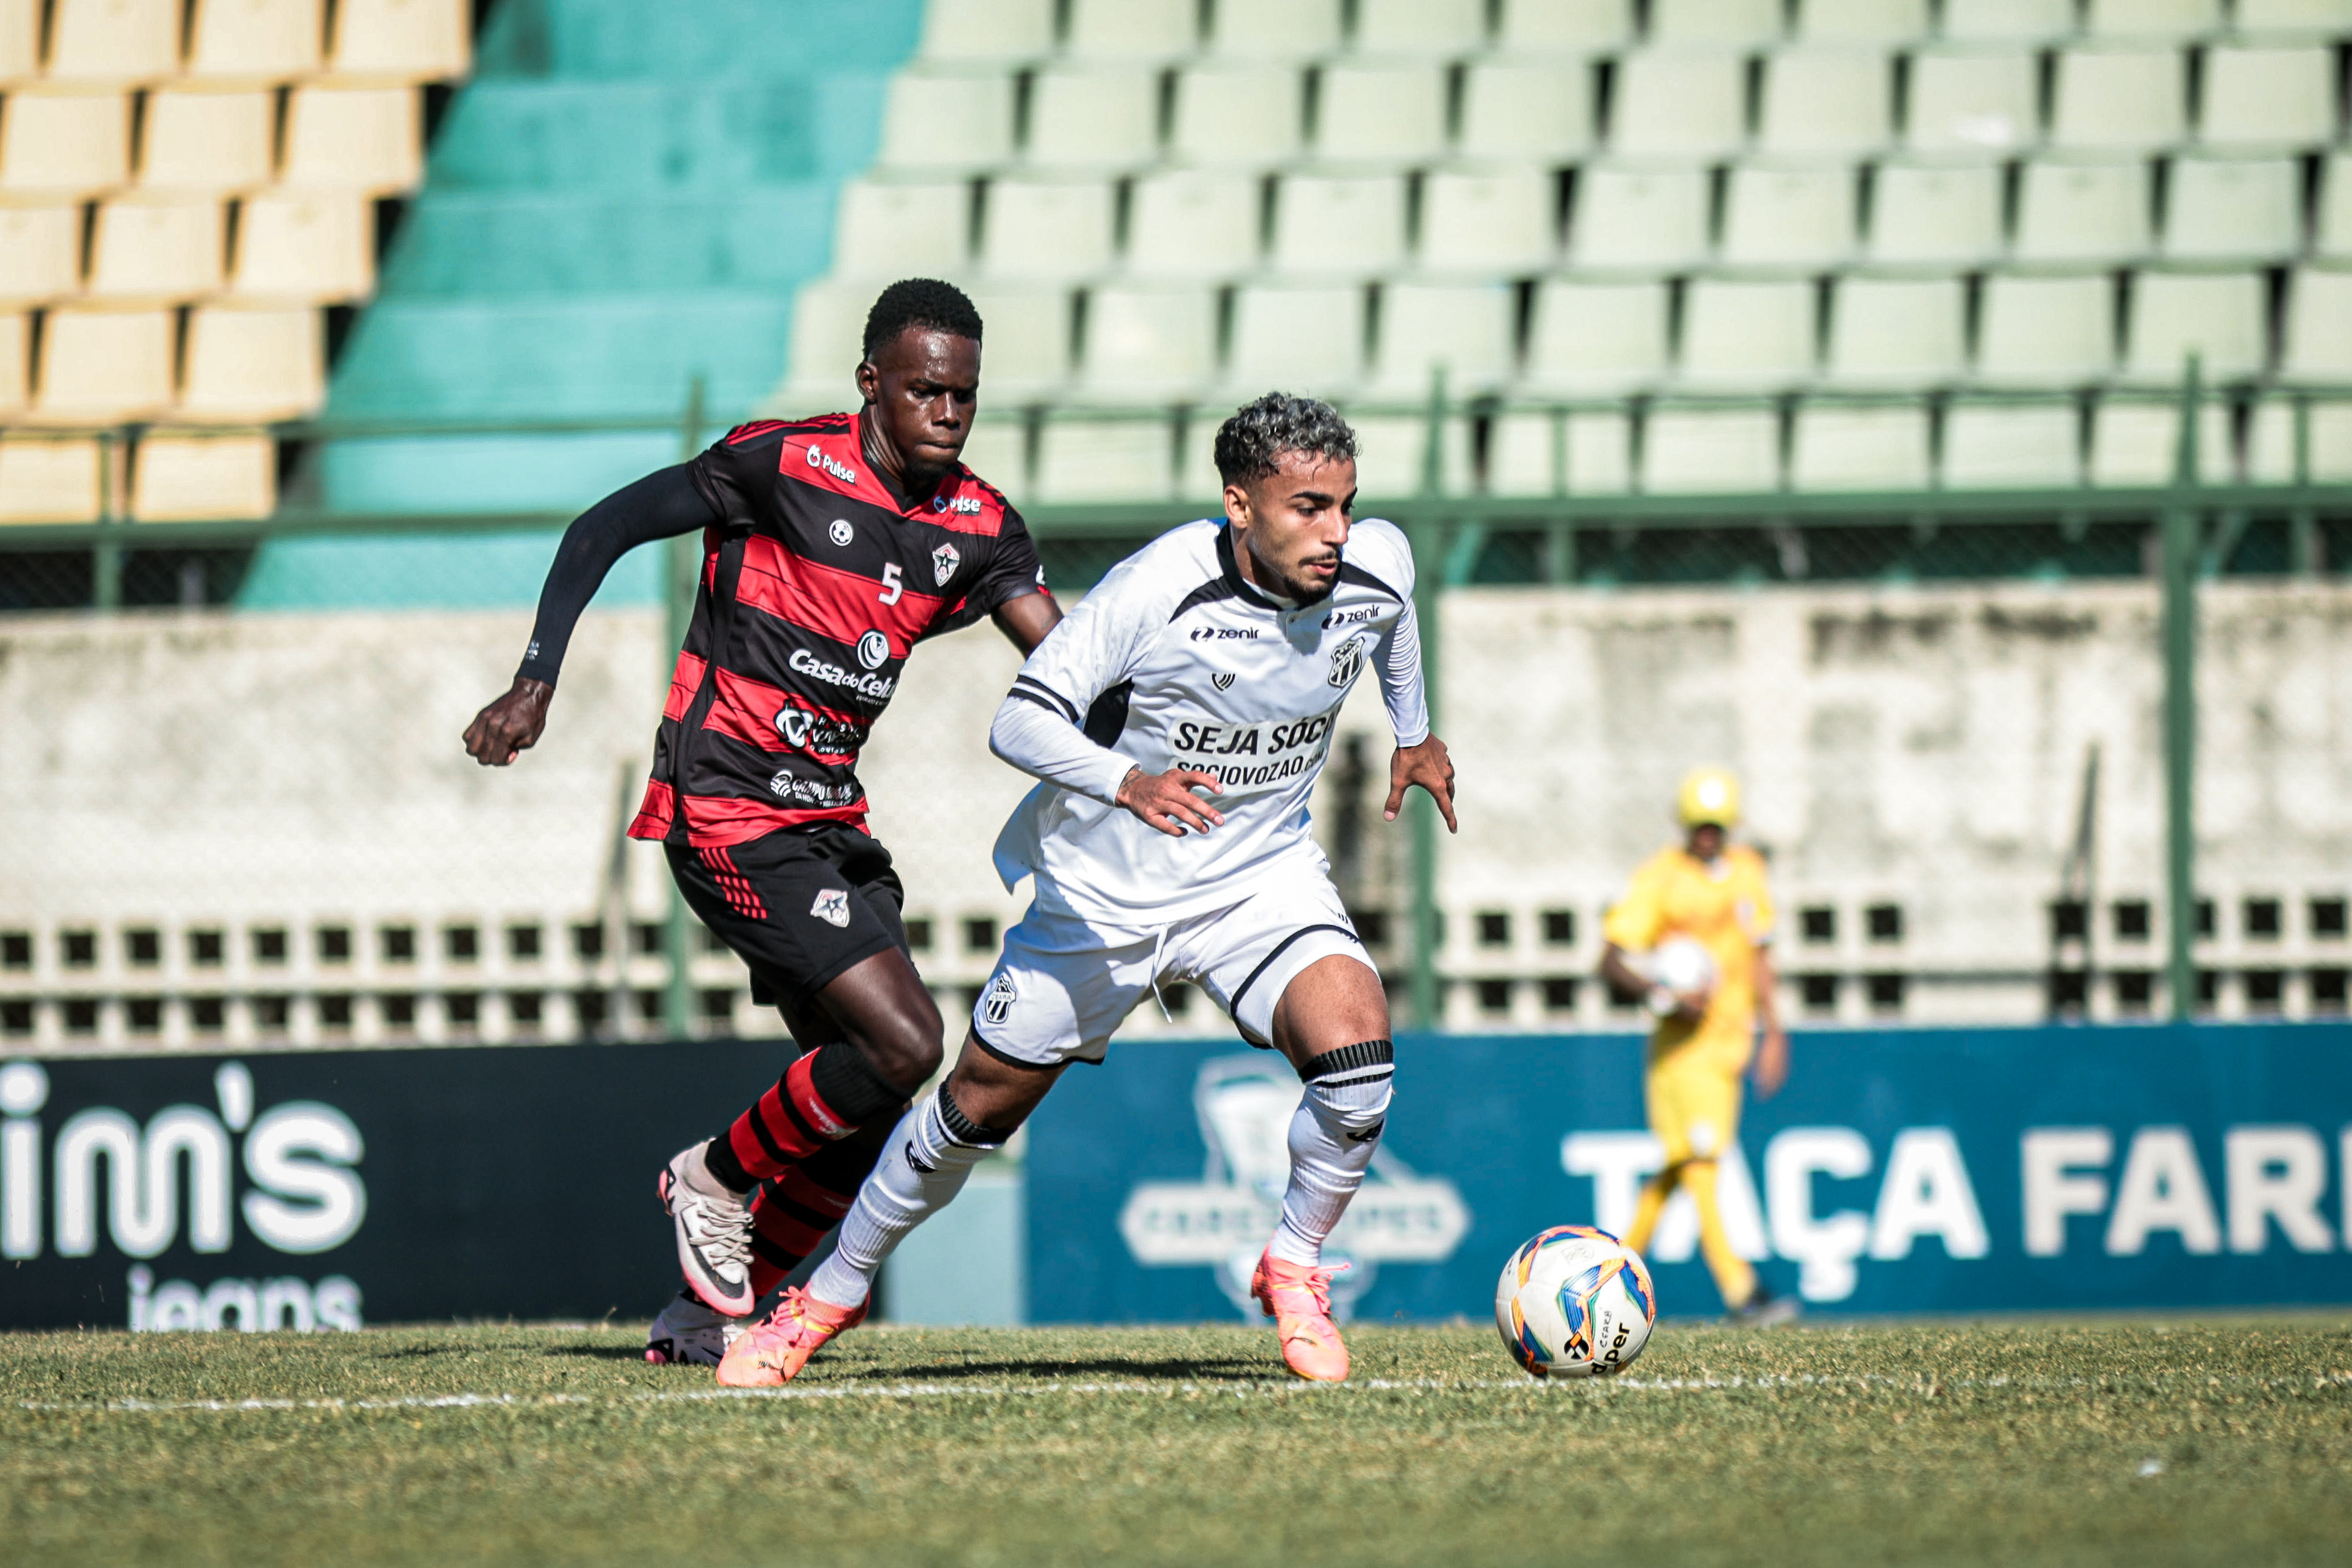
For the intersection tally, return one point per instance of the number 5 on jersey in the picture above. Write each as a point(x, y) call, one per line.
point(894, 586)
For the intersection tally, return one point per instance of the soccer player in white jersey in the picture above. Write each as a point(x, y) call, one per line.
point(1178, 720)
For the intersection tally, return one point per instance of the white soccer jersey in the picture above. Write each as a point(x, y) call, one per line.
point(1175, 661)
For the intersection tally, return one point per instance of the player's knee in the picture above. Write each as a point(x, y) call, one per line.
point(905, 1045)
point(1349, 1088)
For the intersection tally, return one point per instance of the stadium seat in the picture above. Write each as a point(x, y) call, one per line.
point(1103, 119)
point(2297, 18)
point(254, 364)
point(1861, 21)
point(1789, 217)
point(2174, 21)
point(1386, 112)
point(191, 140)
point(1642, 218)
point(1970, 101)
point(2234, 209)
point(1579, 452)
point(1688, 451)
point(1393, 453)
point(404, 41)
point(1826, 100)
point(15, 360)
point(1467, 328)
point(48, 478)
point(314, 246)
point(1081, 459)
point(183, 477)
point(357, 139)
point(1047, 227)
point(1896, 331)
point(2086, 211)
point(114, 41)
point(156, 248)
point(1503, 221)
point(2046, 330)
point(998, 451)
point(2319, 327)
point(1564, 26)
point(103, 366)
point(2267, 97)
point(1596, 339)
point(1747, 336)
point(1339, 224)
point(2137, 443)
point(2120, 99)
point(1146, 342)
point(1538, 110)
point(897, 229)
point(1731, 24)
point(2008, 21)
point(1028, 353)
point(1304, 339)
point(1998, 446)
point(20, 41)
point(1189, 224)
point(947, 121)
point(827, 343)
point(40, 254)
point(63, 143)
point(1935, 215)
point(2222, 318)
point(254, 40)
point(1130, 29)
point(1277, 29)
point(1846, 448)
point(1678, 105)
point(1420, 28)
point(2333, 232)
point(2272, 440)
point(1240, 114)
point(972, 30)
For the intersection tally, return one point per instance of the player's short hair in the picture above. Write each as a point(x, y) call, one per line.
point(920, 302)
point(1251, 443)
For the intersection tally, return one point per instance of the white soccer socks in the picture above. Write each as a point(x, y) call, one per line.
point(1332, 1136)
point(931, 1154)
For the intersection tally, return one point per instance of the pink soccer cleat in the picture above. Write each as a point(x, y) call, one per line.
point(1299, 1299)
point(772, 1354)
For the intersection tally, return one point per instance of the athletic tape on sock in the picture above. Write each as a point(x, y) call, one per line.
point(1363, 1054)
point(962, 1128)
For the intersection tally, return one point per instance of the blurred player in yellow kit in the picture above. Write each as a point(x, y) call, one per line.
point(1711, 892)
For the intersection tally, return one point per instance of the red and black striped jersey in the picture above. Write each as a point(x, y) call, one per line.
point(817, 584)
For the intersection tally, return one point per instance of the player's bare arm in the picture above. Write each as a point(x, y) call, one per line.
point(1025, 621)
point(1426, 765)
point(512, 725)
point(1617, 970)
point(1772, 1067)
point(1165, 802)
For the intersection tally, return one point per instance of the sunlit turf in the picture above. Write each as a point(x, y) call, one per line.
point(2057, 1442)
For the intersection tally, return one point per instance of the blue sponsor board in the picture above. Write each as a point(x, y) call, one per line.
point(1945, 1170)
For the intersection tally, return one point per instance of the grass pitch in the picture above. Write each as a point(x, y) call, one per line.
point(2054, 1442)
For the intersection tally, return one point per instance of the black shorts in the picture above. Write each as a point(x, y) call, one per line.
point(799, 906)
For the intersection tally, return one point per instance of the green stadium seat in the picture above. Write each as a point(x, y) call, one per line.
point(972, 30)
point(1937, 215)
point(1149, 343)
point(1860, 448)
point(1303, 338)
point(1391, 457)
point(2221, 317)
point(1130, 29)
point(315, 246)
point(2293, 18)
point(2083, 211)
point(1549, 453)
point(1861, 21)
point(901, 228)
point(1596, 339)
point(1819, 101)
point(2174, 21)
point(1339, 224)
point(1499, 221)
point(257, 41)
point(48, 478)
point(2120, 99)
point(101, 366)
point(1106, 118)
point(1192, 224)
point(2233, 209)
point(1466, 327)
point(1380, 113)
point(947, 121)
point(15, 360)
point(2046, 330)
point(1028, 352)
point(1573, 27)
point(1419, 28)
point(570, 242)
point(354, 139)
point(1971, 102)
point(157, 248)
point(2137, 443)
point(402, 41)
point(2319, 327)
point(654, 135)
point(40, 254)
point(1731, 24)
point(2321, 454)
point(2332, 234)
point(1044, 228)
point(1241, 114)
point(2002, 446)
point(1276, 30)
point(2331, 442)
point(178, 476)
point(254, 365)
point(207, 141)
point(998, 451)
point(2008, 21)
point(1744, 335)
point(1693, 451)
point(1527, 108)
point(115, 42)
point(2268, 96)
point(65, 144)
point(1638, 218)
point(1780, 216)
point(1896, 332)
point(1082, 459)
point(1681, 105)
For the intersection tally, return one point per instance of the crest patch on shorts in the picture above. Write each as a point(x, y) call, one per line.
point(832, 905)
point(997, 1006)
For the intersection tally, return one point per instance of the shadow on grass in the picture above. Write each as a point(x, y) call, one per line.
point(1221, 1370)
point(600, 1352)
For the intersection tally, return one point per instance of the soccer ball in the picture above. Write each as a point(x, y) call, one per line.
point(1575, 1302)
point(1683, 964)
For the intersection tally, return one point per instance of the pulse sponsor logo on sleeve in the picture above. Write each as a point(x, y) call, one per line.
point(874, 687)
point(839, 470)
point(1244, 756)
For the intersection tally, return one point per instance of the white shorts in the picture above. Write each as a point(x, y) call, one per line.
point(1065, 983)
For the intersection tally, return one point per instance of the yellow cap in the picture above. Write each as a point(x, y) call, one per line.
point(1708, 795)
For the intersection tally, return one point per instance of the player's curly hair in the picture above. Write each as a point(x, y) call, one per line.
point(920, 302)
point(1250, 443)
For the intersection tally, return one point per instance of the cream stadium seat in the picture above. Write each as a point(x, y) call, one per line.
point(1678, 105)
point(2000, 445)
point(1082, 459)
point(899, 229)
point(40, 254)
point(1501, 221)
point(1307, 339)
point(1149, 343)
point(157, 248)
point(186, 477)
point(827, 343)
point(1645, 218)
point(2257, 96)
point(1277, 29)
point(2234, 209)
point(1465, 327)
point(2119, 99)
point(315, 245)
point(1826, 102)
point(1420, 28)
point(1107, 118)
point(20, 41)
point(405, 40)
point(48, 478)
point(1392, 112)
point(1935, 215)
point(1028, 353)
point(1747, 336)
point(15, 360)
point(1047, 227)
point(1971, 102)
point(2172, 21)
point(254, 40)
point(1247, 115)
point(2320, 452)
point(1596, 339)
point(114, 41)
point(1339, 224)
point(2137, 443)
point(2009, 21)
point(63, 143)
point(1131, 29)
point(102, 365)
point(198, 139)
point(2083, 211)
point(2221, 317)
point(1896, 332)
point(2319, 327)
point(1194, 224)
point(2333, 235)
point(1861, 21)
point(2046, 330)
point(354, 139)
point(1789, 216)
point(947, 121)
point(1392, 457)
point(1521, 108)
point(972, 30)
point(1860, 448)
point(1688, 451)
point(1564, 26)
point(1545, 453)
point(2293, 19)
point(1732, 24)
point(253, 364)
point(998, 451)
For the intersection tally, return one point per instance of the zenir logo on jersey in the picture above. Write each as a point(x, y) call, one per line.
point(1347, 662)
point(944, 561)
point(1223, 681)
point(997, 1006)
point(832, 906)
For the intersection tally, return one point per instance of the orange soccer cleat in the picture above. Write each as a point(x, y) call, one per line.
point(773, 1352)
point(1299, 1299)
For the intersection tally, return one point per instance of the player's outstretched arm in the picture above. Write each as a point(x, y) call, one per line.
point(510, 726)
point(1027, 619)
point(1425, 765)
point(1165, 802)
point(1772, 1067)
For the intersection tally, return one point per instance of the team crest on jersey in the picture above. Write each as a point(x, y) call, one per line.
point(1347, 662)
point(944, 561)
point(832, 906)
point(841, 532)
point(997, 1006)
point(1222, 681)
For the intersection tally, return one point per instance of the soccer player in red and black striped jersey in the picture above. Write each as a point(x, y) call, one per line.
point(831, 546)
